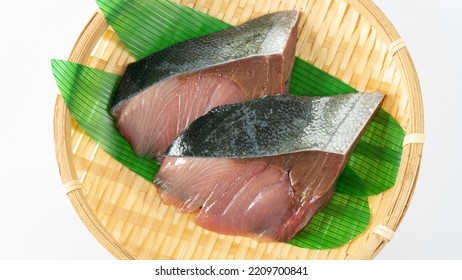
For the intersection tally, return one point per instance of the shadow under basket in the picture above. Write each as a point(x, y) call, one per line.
point(351, 40)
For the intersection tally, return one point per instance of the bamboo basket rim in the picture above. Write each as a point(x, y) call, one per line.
point(409, 167)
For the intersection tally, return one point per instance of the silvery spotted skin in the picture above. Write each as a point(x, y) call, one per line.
point(276, 125)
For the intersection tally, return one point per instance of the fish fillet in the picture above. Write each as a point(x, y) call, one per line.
point(265, 167)
point(162, 94)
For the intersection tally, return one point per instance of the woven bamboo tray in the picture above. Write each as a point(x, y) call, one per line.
point(350, 39)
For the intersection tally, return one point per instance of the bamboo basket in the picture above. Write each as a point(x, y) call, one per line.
point(350, 39)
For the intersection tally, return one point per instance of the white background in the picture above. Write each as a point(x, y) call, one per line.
point(36, 218)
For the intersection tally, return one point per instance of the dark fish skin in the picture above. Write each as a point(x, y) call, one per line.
point(247, 40)
point(280, 124)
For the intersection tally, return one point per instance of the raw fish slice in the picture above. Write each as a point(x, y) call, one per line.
point(263, 168)
point(234, 65)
